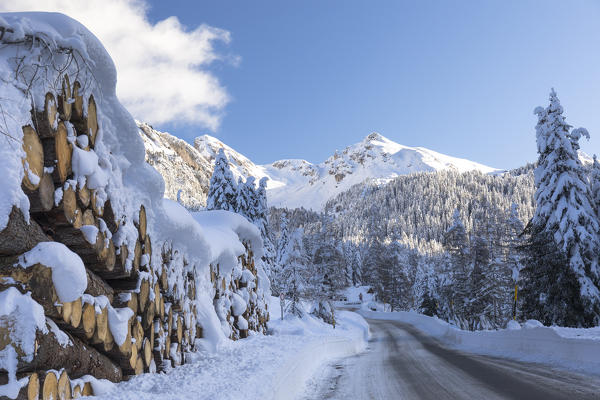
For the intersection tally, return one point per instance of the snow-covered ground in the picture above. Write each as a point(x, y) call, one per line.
point(275, 366)
point(568, 348)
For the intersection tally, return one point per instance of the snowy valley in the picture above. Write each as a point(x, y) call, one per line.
point(137, 265)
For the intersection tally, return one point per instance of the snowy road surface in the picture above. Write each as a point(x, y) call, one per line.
point(403, 363)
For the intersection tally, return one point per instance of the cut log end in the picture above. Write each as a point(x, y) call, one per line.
point(77, 105)
point(147, 348)
point(88, 320)
point(33, 387)
point(139, 366)
point(64, 104)
point(69, 205)
point(50, 387)
point(33, 163)
point(64, 386)
point(63, 151)
point(42, 199)
point(45, 120)
point(87, 389)
point(142, 223)
point(92, 121)
point(76, 313)
point(84, 196)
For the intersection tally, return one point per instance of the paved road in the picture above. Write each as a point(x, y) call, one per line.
point(403, 363)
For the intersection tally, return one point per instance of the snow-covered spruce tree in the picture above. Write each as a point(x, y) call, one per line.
point(262, 222)
point(327, 275)
point(356, 262)
point(479, 301)
point(294, 272)
point(457, 292)
point(428, 305)
point(513, 254)
point(277, 282)
point(242, 200)
point(560, 276)
point(491, 275)
point(595, 185)
point(514, 242)
point(222, 191)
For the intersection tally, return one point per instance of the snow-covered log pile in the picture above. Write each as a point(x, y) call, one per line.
point(100, 277)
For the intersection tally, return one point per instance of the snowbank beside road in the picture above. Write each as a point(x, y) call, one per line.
point(260, 367)
point(323, 344)
point(574, 349)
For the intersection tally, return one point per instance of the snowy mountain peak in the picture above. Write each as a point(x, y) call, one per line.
point(378, 140)
point(208, 146)
point(300, 183)
point(374, 136)
point(294, 182)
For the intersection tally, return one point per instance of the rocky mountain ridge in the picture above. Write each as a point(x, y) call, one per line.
point(294, 182)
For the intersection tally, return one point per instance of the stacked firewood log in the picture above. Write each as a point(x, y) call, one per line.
point(156, 307)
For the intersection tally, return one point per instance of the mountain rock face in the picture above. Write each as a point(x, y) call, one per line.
point(292, 183)
point(181, 166)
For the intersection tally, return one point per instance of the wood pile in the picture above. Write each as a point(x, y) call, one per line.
point(163, 322)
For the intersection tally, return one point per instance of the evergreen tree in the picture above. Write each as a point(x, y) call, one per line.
point(294, 272)
point(277, 280)
point(357, 266)
point(478, 298)
point(262, 209)
point(262, 222)
point(513, 254)
point(564, 218)
point(428, 305)
point(458, 290)
point(595, 185)
point(222, 191)
point(329, 268)
point(243, 200)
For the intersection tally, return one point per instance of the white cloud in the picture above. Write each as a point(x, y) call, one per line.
point(162, 74)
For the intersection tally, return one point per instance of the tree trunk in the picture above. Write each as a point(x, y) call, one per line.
point(20, 236)
point(109, 217)
point(45, 120)
point(36, 279)
point(76, 358)
point(97, 287)
point(41, 199)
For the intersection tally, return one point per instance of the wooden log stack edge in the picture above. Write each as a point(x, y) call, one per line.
point(165, 323)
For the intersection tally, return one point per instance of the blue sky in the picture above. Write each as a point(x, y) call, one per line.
point(461, 78)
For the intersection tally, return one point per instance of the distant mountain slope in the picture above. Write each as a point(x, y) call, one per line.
point(292, 183)
point(299, 183)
